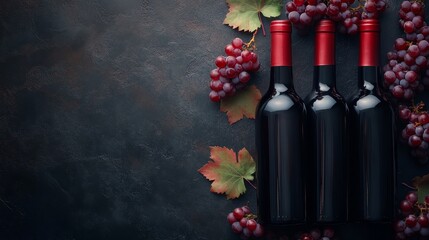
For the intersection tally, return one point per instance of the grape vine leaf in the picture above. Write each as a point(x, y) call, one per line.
point(244, 14)
point(243, 104)
point(227, 172)
point(422, 185)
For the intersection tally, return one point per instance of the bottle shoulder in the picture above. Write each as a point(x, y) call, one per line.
point(319, 101)
point(315, 94)
point(274, 101)
point(368, 100)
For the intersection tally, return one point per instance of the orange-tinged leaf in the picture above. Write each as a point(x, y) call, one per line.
point(227, 172)
point(243, 14)
point(242, 104)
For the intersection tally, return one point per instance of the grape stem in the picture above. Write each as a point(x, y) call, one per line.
point(251, 184)
point(418, 108)
point(360, 6)
point(357, 8)
point(422, 207)
point(251, 216)
point(251, 44)
point(262, 24)
point(410, 187)
point(260, 18)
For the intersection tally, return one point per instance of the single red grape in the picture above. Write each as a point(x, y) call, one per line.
point(237, 43)
point(251, 224)
point(238, 213)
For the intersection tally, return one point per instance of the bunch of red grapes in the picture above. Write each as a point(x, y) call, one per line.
point(243, 222)
point(416, 132)
point(303, 13)
point(415, 222)
point(407, 72)
point(316, 234)
point(232, 72)
point(409, 60)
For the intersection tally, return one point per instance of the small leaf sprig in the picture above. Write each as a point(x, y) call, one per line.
point(245, 15)
point(228, 171)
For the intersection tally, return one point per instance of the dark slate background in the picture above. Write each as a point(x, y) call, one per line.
point(105, 117)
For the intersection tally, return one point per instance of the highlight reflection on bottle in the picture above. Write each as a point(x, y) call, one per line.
point(280, 139)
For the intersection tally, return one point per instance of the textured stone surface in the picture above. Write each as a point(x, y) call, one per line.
point(105, 117)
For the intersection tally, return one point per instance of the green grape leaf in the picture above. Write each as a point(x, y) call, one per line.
point(242, 104)
point(244, 14)
point(422, 186)
point(227, 172)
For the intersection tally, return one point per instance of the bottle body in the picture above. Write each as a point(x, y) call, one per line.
point(327, 129)
point(280, 142)
point(280, 119)
point(374, 147)
point(373, 164)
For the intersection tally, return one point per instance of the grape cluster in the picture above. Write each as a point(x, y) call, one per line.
point(316, 234)
point(232, 72)
point(303, 13)
point(407, 72)
point(415, 222)
point(409, 59)
point(416, 132)
point(243, 222)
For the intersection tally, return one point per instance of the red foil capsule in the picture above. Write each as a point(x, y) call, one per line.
point(325, 43)
point(370, 38)
point(281, 43)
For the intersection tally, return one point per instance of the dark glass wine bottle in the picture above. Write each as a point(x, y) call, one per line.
point(327, 119)
point(373, 137)
point(280, 139)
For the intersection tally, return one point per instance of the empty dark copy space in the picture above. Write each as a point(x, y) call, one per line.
point(105, 117)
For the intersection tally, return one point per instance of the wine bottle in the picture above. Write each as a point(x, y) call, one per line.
point(373, 136)
point(327, 119)
point(280, 139)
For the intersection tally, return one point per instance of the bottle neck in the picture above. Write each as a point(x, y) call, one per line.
point(324, 78)
point(369, 48)
point(324, 53)
point(368, 71)
point(281, 75)
point(368, 78)
point(281, 49)
point(281, 60)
